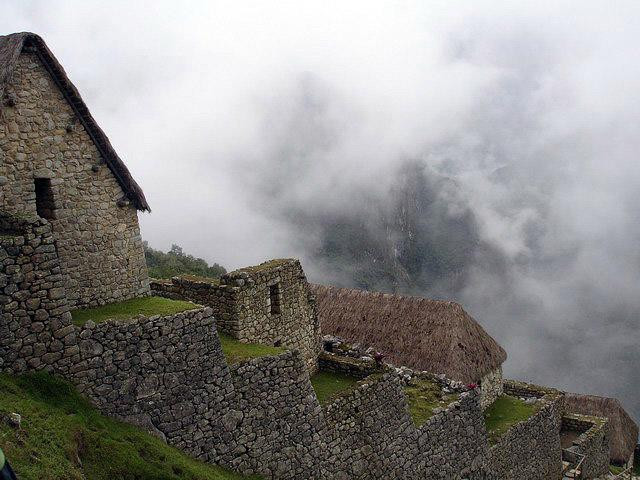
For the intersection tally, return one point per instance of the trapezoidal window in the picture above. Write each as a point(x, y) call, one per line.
point(45, 206)
point(274, 298)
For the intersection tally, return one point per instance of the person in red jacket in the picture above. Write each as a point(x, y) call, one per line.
point(6, 473)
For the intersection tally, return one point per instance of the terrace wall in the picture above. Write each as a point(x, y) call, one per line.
point(530, 449)
point(167, 374)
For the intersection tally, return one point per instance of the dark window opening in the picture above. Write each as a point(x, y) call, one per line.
point(45, 205)
point(274, 298)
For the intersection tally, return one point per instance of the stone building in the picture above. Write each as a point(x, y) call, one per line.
point(435, 336)
point(270, 303)
point(56, 162)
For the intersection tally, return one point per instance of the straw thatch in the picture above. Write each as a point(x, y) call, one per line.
point(436, 336)
point(10, 48)
point(624, 431)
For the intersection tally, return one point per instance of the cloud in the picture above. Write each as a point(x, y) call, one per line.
point(256, 128)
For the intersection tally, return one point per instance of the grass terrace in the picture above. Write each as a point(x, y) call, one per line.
point(424, 397)
point(236, 351)
point(147, 306)
point(329, 384)
point(505, 412)
point(63, 437)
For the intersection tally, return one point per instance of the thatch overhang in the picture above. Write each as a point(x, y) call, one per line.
point(11, 46)
point(423, 334)
point(623, 430)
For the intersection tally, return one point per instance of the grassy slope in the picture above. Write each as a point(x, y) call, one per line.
point(505, 412)
point(327, 384)
point(63, 437)
point(235, 351)
point(146, 306)
point(424, 397)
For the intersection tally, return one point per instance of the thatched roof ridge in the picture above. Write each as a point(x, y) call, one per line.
point(10, 48)
point(624, 431)
point(436, 336)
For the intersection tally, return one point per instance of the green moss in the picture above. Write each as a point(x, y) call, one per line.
point(424, 396)
point(196, 278)
point(147, 306)
point(615, 469)
point(276, 262)
point(505, 412)
point(236, 351)
point(63, 437)
point(328, 384)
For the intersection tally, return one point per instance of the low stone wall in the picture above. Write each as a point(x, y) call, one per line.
point(491, 387)
point(35, 323)
point(593, 443)
point(353, 367)
point(530, 449)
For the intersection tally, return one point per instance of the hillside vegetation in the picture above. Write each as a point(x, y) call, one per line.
point(176, 262)
point(63, 437)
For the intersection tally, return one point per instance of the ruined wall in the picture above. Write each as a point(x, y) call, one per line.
point(491, 387)
point(353, 367)
point(99, 243)
point(593, 443)
point(529, 449)
point(242, 300)
point(35, 329)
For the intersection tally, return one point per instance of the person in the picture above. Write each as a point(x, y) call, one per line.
point(6, 473)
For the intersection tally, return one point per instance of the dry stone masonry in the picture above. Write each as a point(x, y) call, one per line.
point(50, 167)
point(270, 304)
point(69, 237)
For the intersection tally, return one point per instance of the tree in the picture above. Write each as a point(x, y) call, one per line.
point(176, 262)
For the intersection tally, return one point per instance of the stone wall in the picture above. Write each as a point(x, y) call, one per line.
point(592, 443)
point(167, 374)
point(353, 367)
point(280, 428)
point(99, 243)
point(35, 323)
point(453, 443)
point(270, 304)
point(529, 449)
point(491, 387)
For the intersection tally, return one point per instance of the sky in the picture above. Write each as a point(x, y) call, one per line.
point(230, 113)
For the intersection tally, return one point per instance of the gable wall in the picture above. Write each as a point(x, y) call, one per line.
point(99, 243)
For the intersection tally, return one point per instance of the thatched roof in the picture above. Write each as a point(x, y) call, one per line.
point(436, 336)
point(10, 48)
point(624, 431)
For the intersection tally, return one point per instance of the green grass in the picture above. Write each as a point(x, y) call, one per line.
point(425, 396)
point(505, 412)
point(328, 384)
point(147, 306)
point(235, 351)
point(62, 437)
point(615, 469)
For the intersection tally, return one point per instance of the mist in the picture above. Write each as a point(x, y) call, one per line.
point(479, 151)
